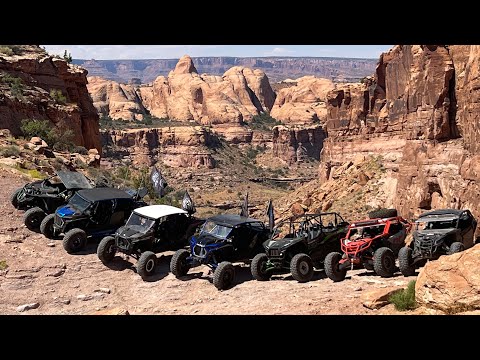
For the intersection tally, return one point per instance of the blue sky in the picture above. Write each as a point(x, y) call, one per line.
point(103, 52)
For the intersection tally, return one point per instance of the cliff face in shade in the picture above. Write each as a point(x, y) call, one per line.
point(421, 113)
point(295, 144)
point(182, 146)
point(40, 73)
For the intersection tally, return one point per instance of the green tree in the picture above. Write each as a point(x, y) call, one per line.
point(67, 58)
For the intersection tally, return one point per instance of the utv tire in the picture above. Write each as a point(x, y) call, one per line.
point(384, 262)
point(405, 261)
point(106, 249)
point(331, 263)
point(382, 213)
point(46, 226)
point(258, 268)
point(456, 247)
point(301, 267)
point(13, 198)
point(146, 264)
point(178, 265)
point(74, 240)
point(224, 275)
point(33, 218)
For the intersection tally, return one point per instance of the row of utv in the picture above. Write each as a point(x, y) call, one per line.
point(71, 207)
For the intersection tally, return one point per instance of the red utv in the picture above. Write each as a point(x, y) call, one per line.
point(373, 243)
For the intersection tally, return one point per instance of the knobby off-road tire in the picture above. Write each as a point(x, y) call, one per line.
point(405, 261)
point(301, 267)
point(146, 264)
point(46, 226)
point(106, 249)
point(13, 198)
point(224, 275)
point(178, 264)
point(258, 268)
point(456, 247)
point(33, 218)
point(384, 262)
point(331, 264)
point(74, 241)
point(382, 213)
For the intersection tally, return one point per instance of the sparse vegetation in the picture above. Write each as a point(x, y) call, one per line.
point(80, 149)
point(106, 122)
point(16, 84)
point(263, 122)
point(10, 150)
point(404, 299)
point(3, 264)
point(67, 58)
point(6, 50)
point(60, 139)
point(58, 97)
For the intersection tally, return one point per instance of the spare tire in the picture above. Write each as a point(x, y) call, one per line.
point(382, 213)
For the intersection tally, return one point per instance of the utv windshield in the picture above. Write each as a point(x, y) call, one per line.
point(79, 203)
point(436, 224)
point(140, 223)
point(216, 230)
point(365, 232)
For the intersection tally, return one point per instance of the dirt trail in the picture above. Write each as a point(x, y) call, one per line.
point(39, 270)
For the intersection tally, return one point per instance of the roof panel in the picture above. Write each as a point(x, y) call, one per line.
point(158, 211)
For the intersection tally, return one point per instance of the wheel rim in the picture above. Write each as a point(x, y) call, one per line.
point(262, 266)
point(77, 242)
point(387, 262)
point(110, 249)
point(150, 265)
point(227, 277)
point(303, 267)
point(34, 221)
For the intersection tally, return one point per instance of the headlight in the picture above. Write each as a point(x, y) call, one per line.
point(346, 241)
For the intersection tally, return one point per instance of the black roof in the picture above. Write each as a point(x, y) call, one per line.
point(443, 212)
point(99, 194)
point(231, 220)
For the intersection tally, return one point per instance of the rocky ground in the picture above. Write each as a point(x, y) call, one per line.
point(39, 272)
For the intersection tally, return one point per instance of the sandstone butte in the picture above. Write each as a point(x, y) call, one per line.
point(40, 73)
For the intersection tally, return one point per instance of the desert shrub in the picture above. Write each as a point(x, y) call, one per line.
point(67, 58)
point(80, 149)
point(404, 299)
point(3, 264)
point(263, 122)
point(57, 96)
point(10, 150)
point(229, 191)
point(252, 153)
point(7, 50)
point(16, 85)
point(60, 139)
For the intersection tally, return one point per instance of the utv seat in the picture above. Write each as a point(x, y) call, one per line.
point(314, 231)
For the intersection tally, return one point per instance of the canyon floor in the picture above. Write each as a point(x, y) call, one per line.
point(40, 271)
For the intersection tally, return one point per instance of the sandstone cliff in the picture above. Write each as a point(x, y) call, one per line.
point(119, 101)
point(30, 96)
point(185, 95)
point(182, 146)
point(419, 113)
point(303, 103)
point(295, 144)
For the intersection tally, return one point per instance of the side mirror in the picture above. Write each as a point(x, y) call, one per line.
point(142, 192)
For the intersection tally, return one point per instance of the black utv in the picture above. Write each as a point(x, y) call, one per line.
point(149, 230)
point(42, 197)
point(92, 213)
point(436, 233)
point(306, 240)
point(223, 239)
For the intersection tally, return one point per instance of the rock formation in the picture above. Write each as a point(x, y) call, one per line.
point(304, 103)
point(451, 283)
point(119, 101)
point(419, 113)
point(27, 78)
point(182, 146)
point(292, 144)
point(185, 95)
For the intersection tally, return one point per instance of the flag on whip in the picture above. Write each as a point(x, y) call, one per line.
point(158, 181)
point(187, 203)
point(271, 218)
point(244, 211)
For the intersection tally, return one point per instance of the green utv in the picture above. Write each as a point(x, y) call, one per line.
point(306, 240)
